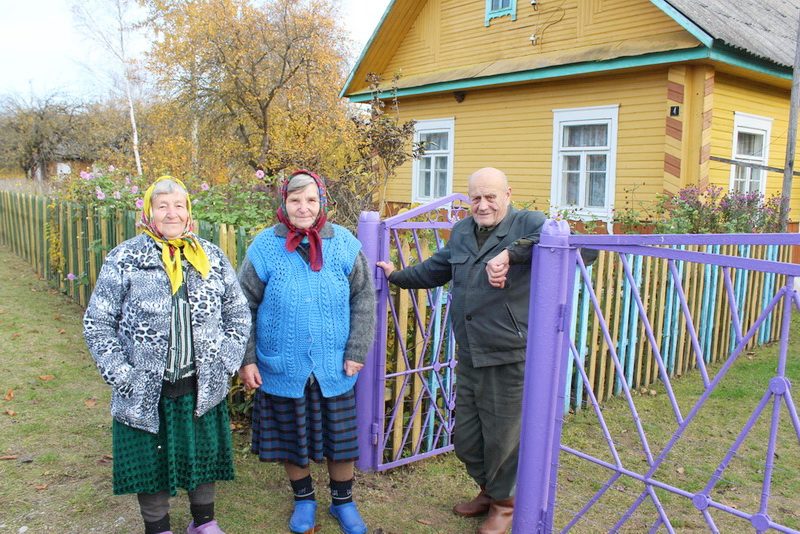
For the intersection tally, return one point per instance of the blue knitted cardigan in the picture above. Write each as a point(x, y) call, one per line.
point(303, 321)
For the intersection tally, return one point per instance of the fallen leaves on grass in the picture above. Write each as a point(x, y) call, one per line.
point(42, 487)
point(12, 413)
point(11, 457)
point(62, 331)
point(91, 403)
point(46, 377)
point(10, 395)
point(429, 523)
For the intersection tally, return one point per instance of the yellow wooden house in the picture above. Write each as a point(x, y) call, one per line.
point(588, 104)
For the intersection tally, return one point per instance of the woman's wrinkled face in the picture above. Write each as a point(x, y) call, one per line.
point(302, 206)
point(170, 214)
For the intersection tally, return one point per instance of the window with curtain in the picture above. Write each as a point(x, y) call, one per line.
point(500, 8)
point(751, 135)
point(433, 172)
point(584, 156)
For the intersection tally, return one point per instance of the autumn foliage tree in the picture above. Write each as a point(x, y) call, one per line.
point(259, 80)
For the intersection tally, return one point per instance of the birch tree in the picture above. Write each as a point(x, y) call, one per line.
point(112, 24)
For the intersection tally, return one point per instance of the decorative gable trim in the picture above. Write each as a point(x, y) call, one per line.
point(502, 12)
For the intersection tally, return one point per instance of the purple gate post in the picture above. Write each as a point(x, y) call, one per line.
point(367, 386)
point(553, 274)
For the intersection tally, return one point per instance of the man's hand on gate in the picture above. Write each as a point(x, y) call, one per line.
point(497, 269)
point(387, 266)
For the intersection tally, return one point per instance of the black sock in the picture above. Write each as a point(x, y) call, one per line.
point(303, 489)
point(341, 492)
point(154, 527)
point(202, 513)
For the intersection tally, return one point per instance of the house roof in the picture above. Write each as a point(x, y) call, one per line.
point(755, 34)
point(764, 28)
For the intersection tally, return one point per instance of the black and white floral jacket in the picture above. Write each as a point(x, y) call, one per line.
point(127, 328)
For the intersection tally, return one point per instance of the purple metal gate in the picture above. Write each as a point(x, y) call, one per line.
point(406, 391)
point(636, 471)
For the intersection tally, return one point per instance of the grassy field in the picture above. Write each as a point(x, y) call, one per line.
point(55, 442)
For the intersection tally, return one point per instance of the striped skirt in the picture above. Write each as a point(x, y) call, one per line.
point(309, 428)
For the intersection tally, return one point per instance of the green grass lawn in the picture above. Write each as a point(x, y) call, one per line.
point(55, 441)
point(55, 436)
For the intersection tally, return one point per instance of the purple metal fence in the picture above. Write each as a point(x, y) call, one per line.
point(654, 472)
point(406, 391)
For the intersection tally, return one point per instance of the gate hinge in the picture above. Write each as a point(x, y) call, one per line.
point(542, 525)
point(375, 433)
point(562, 317)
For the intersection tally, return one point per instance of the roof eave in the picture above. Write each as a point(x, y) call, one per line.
point(687, 24)
point(718, 52)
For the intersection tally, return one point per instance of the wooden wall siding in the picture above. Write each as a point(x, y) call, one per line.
point(732, 94)
point(709, 308)
point(561, 28)
point(512, 128)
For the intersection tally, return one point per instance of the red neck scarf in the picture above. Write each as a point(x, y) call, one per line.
point(295, 235)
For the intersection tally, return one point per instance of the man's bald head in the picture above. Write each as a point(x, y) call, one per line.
point(489, 196)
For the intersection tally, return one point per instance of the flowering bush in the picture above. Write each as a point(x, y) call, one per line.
point(695, 211)
point(106, 188)
point(247, 202)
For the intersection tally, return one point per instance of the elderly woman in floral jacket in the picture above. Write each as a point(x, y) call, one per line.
point(167, 325)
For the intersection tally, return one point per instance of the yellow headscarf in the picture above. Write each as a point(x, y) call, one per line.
point(184, 245)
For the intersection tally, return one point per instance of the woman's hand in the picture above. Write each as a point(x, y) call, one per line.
point(250, 376)
point(351, 367)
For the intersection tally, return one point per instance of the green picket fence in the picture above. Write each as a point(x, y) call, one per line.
point(61, 238)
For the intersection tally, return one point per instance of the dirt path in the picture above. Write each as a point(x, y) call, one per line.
point(55, 441)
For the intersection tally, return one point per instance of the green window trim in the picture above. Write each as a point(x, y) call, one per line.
point(502, 12)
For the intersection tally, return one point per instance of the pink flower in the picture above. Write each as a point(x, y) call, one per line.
point(259, 173)
point(100, 194)
point(135, 189)
point(139, 203)
point(85, 175)
point(204, 186)
point(71, 276)
point(116, 195)
point(110, 168)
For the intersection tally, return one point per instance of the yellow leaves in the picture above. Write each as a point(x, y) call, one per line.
point(10, 395)
point(46, 377)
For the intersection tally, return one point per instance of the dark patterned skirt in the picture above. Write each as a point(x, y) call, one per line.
point(187, 451)
point(309, 428)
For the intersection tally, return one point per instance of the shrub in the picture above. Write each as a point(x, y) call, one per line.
point(246, 202)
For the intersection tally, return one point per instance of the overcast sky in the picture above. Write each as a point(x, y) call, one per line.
point(41, 51)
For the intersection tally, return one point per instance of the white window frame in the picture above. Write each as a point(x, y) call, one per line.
point(433, 126)
point(754, 124)
point(578, 116)
point(502, 12)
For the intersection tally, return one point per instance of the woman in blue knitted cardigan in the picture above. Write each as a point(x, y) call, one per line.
point(313, 306)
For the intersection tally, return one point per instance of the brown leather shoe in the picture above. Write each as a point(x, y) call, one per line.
point(500, 515)
point(477, 506)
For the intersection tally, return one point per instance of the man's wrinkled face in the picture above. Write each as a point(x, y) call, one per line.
point(489, 197)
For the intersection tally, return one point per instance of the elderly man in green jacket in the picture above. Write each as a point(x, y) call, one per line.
point(488, 262)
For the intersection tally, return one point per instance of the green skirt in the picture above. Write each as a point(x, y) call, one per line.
point(187, 451)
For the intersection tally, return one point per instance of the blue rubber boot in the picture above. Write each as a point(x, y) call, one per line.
point(349, 518)
point(304, 518)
